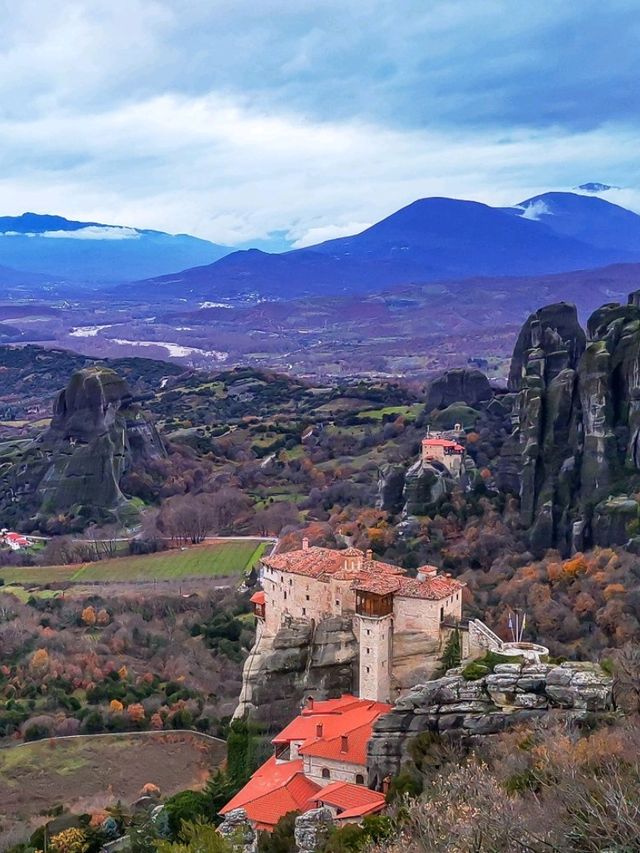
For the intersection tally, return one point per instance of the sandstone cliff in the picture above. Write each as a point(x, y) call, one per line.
point(300, 659)
point(513, 693)
point(579, 425)
point(97, 434)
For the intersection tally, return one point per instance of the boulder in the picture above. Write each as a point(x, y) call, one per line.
point(312, 829)
point(236, 828)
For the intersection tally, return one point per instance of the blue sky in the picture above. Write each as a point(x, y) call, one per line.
point(307, 120)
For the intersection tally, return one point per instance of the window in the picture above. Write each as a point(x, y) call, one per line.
point(368, 651)
point(368, 633)
point(359, 779)
point(285, 596)
point(325, 773)
point(337, 603)
point(304, 611)
point(290, 581)
point(441, 613)
point(368, 669)
point(307, 597)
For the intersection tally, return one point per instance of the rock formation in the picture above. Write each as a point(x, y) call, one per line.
point(236, 828)
point(459, 385)
point(300, 659)
point(513, 693)
point(312, 829)
point(579, 425)
point(97, 435)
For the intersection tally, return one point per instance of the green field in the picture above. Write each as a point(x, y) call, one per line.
point(219, 559)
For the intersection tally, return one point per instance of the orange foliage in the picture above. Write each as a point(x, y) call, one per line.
point(115, 706)
point(576, 565)
point(88, 615)
point(136, 713)
point(39, 662)
point(613, 589)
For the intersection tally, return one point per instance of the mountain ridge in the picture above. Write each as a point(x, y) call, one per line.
point(431, 239)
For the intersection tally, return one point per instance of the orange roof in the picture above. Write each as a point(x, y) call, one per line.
point(273, 790)
point(257, 597)
point(352, 800)
point(314, 562)
point(330, 720)
point(442, 442)
point(433, 589)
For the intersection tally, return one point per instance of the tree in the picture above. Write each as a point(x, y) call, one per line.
point(186, 806)
point(452, 655)
point(88, 616)
point(196, 837)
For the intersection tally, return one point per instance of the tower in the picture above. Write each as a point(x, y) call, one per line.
point(374, 622)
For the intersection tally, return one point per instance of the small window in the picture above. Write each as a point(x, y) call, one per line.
point(359, 779)
point(290, 581)
point(307, 597)
point(304, 611)
point(285, 595)
point(337, 603)
point(368, 651)
point(368, 670)
point(325, 773)
point(441, 613)
point(368, 633)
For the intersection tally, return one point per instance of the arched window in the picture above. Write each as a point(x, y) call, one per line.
point(325, 773)
point(359, 779)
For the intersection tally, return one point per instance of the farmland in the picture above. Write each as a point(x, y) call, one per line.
point(91, 773)
point(217, 559)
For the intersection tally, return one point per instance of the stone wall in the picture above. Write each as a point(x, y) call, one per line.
point(513, 693)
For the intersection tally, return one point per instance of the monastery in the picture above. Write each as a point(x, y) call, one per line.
point(397, 620)
point(319, 760)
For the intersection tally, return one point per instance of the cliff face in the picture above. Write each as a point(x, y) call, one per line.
point(579, 425)
point(300, 659)
point(513, 693)
point(96, 435)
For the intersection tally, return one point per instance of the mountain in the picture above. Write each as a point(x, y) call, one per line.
point(89, 252)
point(590, 219)
point(433, 239)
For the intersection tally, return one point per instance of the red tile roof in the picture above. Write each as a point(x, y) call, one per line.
point(273, 790)
point(442, 442)
point(315, 562)
point(257, 597)
point(352, 800)
point(433, 589)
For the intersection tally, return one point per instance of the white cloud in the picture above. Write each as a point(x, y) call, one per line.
point(218, 168)
point(311, 236)
point(90, 232)
point(535, 209)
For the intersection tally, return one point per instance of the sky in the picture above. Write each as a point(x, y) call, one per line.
point(286, 122)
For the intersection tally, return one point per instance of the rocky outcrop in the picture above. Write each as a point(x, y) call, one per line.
point(424, 485)
point(459, 385)
point(237, 829)
point(97, 435)
point(312, 829)
point(391, 480)
point(513, 693)
point(579, 425)
point(301, 659)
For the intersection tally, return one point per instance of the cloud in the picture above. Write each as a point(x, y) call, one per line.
point(534, 210)
point(233, 121)
point(90, 232)
point(327, 232)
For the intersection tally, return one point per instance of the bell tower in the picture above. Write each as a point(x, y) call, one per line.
point(374, 621)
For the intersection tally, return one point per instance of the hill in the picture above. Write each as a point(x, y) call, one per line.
point(87, 252)
point(433, 239)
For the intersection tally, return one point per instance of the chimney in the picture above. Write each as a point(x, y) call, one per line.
point(310, 703)
point(344, 743)
point(369, 555)
point(319, 730)
point(426, 572)
point(386, 783)
point(305, 544)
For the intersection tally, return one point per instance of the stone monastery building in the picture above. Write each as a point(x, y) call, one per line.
point(397, 620)
point(319, 760)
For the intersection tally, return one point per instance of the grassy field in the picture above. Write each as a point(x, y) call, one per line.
point(88, 774)
point(217, 559)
